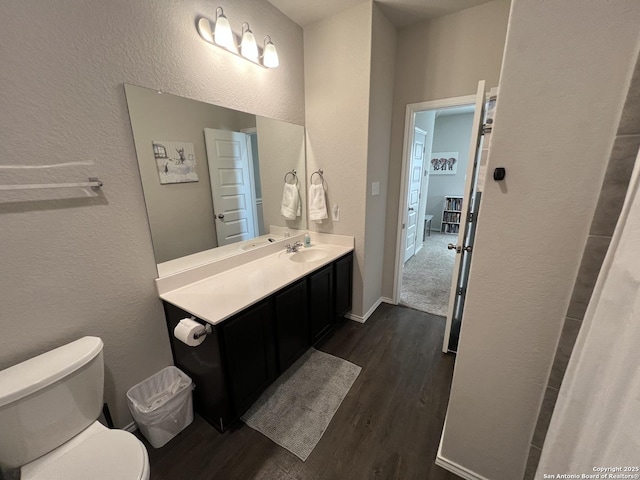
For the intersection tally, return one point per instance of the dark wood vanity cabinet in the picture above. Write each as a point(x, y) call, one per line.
point(343, 268)
point(206, 366)
point(292, 324)
point(321, 305)
point(245, 353)
point(249, 350)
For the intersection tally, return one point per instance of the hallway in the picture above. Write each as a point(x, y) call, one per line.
point(426, 278)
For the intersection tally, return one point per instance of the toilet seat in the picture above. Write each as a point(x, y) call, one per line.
point(106, 455)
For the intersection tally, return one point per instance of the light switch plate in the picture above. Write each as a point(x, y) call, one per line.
point(335, 213)
point(375, 188)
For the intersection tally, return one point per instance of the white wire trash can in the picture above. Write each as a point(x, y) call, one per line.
point(162, 405)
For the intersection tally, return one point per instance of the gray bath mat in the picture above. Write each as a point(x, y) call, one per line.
point(296, 409)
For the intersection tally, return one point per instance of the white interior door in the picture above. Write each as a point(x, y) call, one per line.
point(413, 197)
point(463, 245)
point(229, 172)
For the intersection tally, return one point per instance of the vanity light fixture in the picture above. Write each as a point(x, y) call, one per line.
point(270, 54)
point(222, 36)
point(248, 45)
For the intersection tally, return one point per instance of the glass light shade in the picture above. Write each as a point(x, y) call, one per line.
point(222, 34)
point(270, 55)
point(248, 47)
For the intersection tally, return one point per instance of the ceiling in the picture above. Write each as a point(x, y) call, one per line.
point(400, 12)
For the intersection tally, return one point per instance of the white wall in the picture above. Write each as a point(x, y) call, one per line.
point(440, 58)
point(565, 74)
point(383, 48)
point(349, 75)
point(452, 134)
point(84, 266)
point(337, 66)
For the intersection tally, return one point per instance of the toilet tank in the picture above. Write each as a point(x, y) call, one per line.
point(49, 399)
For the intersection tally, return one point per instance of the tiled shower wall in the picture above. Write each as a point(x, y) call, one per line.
point(612, 194)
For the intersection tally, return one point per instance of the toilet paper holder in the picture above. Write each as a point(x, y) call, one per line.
point(207, 330)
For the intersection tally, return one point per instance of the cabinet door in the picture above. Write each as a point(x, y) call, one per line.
point(292, 325)
point(250, 354)
point(321, 310)
point(344, 280)
point(204, 365)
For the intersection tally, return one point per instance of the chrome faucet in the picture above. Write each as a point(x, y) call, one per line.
point(293, 248)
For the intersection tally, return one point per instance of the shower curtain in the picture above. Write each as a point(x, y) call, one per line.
point(596, 421)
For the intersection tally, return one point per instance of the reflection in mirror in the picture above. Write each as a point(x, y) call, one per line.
point(213, 178)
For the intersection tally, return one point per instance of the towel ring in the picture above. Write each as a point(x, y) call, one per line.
point(318, 172)
point(293, 174)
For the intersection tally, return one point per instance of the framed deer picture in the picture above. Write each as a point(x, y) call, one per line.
point(176, 161)
point(443, 163)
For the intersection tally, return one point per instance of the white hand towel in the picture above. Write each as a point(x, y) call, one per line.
point(317, 203)
point(290, 207)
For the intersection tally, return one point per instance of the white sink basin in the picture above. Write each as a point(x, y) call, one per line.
point(307, 255)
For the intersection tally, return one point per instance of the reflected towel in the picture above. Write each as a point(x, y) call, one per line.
point(290, 207)
point(317, 203)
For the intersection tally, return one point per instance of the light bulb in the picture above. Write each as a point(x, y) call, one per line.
point(270, 54)
point(248, 46)
point(222, 34)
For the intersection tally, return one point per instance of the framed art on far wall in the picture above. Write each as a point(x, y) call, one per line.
point(443, 163)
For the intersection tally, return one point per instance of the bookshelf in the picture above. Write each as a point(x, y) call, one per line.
point(451, 214)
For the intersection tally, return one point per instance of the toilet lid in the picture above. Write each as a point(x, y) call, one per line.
point(106, 455)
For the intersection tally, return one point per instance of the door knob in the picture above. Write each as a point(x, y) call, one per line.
point(221, 216)
point(468, 248)
point(411, 209)
point(457, 248)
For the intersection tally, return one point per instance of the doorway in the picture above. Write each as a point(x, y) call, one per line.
point(431, 269)
point(444, 135)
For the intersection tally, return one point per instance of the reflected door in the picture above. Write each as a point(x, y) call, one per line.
point(413, 199)
point(466, 234)
point(231, 188)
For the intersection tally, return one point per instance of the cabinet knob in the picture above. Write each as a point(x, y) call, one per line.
point(221, 216)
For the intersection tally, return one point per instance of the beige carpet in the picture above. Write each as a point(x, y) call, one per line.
point(297, 408)
point(426, 279)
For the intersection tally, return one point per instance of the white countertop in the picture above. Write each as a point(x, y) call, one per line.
point(218, 297)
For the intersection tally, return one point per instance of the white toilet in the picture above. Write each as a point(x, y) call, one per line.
point(49, 406)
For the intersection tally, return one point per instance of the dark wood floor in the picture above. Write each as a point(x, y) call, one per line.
point(388, 426)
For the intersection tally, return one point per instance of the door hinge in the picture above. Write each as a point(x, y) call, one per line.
point(403, 226)
point(471, 217)
point(485, 128)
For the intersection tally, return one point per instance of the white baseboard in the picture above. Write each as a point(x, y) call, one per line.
point(365, 317)
point(388, 300)
point(459, 470)
point(355, 318)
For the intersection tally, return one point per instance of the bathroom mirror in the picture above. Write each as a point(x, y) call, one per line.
point(212, 177)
